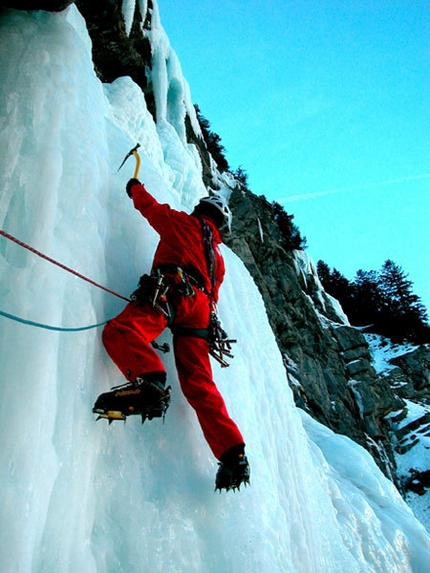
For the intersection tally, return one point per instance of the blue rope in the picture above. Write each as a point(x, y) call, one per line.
point(47, 327)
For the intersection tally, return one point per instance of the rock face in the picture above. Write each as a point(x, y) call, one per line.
point(115, 53)
point(327, 361)
point(411, 376)
point(410, 427)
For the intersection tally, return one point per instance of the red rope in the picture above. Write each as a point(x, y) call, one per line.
point(68, 269)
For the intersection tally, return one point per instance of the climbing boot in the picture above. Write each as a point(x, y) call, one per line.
point(145, 396)
point(233, 470)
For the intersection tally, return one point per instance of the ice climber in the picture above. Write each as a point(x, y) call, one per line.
point(180, 293)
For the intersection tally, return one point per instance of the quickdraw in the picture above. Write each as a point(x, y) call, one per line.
point(219, 342)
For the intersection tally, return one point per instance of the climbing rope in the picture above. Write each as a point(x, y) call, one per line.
point(54, 262)
point(68, 269)
point(46, 326)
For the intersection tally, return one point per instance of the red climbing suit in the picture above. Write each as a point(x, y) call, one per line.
point(127, 337)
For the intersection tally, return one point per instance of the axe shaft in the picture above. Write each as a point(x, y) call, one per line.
point(136, 169)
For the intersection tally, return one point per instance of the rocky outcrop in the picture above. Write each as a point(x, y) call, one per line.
point(328, 362)
point(116, 53)
point(409, 377)
point(48, 5)
point(374, 395)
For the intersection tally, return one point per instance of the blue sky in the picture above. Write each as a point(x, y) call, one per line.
point(325, 104)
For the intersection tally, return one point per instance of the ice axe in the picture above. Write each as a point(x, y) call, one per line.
point(136, 155)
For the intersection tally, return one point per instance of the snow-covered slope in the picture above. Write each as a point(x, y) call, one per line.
point(410, 426)
point(82, 497)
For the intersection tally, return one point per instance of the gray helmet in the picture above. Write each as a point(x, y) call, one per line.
point(222, 207)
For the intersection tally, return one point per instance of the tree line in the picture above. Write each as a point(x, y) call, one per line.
point(381, 300)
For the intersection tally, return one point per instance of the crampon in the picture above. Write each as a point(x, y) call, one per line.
point(232, 473)
point(143, 398)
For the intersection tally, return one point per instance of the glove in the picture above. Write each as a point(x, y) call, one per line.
point(130, 185)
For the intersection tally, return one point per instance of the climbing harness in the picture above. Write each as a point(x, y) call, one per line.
point(160, 290)
point(218, 340)
point(219, 343)
point(155, 288)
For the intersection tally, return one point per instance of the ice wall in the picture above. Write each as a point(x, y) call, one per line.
point(82, 497)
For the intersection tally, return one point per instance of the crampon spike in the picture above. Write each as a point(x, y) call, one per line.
point(232, 488)
point(111, 416)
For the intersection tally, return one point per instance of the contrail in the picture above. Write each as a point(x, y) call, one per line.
point(354, 188)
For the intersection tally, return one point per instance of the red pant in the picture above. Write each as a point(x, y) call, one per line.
point(127, 340)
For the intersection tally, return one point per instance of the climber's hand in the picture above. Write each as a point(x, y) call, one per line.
point(130, 185)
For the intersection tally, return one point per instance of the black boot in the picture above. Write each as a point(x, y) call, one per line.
point(233, 469)
point(145, 396)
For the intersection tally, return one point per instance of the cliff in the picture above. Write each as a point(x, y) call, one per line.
point(329, 364)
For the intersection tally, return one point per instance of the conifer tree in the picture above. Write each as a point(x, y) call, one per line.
point(289, 230)
point(402, 312)
point(383, 301)
point(213, 141)
point(324, 274)
point(336, 285)
point(366, 300)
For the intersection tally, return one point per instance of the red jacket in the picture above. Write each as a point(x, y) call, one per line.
point(181, 241)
